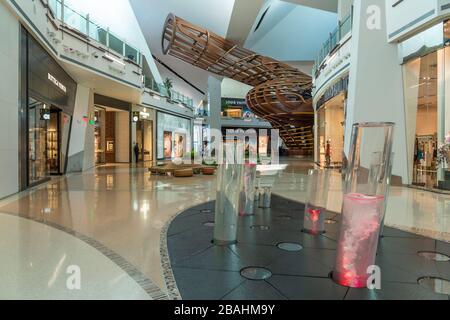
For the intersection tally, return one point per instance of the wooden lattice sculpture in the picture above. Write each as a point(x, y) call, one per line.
point(281, 93)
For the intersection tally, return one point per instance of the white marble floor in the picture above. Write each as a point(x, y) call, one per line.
point(413, 210)
point(125, 210)
point(41, 262)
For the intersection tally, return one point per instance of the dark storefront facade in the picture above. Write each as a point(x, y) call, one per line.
point(48, 101)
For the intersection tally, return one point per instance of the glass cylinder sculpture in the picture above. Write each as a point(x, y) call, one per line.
point(316, 202)
point(229, 186)
point(265, 197)
point(389, 181)
point(365, 190)
point(247, 200)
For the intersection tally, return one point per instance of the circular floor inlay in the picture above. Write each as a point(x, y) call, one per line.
point(256, 273)
point(329, 221)
point(209, 224)
point(258, 227)
point(288, 246)
point(434, 256)
point(436, 285)
point(206, 211)
point(284, 217)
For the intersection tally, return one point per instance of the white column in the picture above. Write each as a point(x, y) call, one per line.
point(376, 82)
point(89, 144)
point(316, 136)
point(82, 137)
point(214, 102)
point(78, 133)
point(446, 110)
point(122, 144)
point(9, 103)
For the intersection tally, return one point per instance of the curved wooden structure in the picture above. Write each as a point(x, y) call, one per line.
point(281, 93)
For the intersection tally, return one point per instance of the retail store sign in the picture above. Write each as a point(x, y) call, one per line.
point(55, 81)
point(45, 114)
point(144, 115)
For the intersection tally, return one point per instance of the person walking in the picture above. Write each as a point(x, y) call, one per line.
point(136, 152)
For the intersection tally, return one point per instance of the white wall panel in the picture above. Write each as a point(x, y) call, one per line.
point(9, 102)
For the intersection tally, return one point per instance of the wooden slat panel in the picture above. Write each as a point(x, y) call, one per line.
point(281, 93)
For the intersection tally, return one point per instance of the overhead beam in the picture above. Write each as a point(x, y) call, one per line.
point(281, 94)
point(327, 5)
point(242, 20)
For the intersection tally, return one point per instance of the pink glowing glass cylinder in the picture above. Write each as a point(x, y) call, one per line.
point(365, 192)
point(357, 246)
point(316, 202)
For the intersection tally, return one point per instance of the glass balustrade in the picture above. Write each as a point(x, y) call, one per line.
point(343, 29)
point(83, 24)
point(172, 94)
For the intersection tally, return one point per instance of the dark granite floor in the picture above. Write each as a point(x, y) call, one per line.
point(207, 272)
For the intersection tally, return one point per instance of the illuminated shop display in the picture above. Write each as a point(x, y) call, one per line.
point(173, 136)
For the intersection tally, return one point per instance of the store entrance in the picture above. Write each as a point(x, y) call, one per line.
point(144, 140)
point(426, 139)
point(331, 117)
point(48, 128)
point(112, 134)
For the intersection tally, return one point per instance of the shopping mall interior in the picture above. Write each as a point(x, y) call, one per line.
point(257, 150)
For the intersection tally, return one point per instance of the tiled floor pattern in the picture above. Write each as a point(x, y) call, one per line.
point(205, 271)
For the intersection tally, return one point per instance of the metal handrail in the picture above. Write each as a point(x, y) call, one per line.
point(342, 30)
point(85, 25)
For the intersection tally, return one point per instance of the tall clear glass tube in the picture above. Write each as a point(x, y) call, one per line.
point(365, 190)
point(247, 199)
point(316, 201)
point(229, 186)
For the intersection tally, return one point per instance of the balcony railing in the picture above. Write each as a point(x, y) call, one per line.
point(83, 23)
point(342, 30)
point(172, 95)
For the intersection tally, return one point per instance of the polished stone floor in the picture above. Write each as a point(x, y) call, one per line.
point(122, 213)
point(205, 271)
point(36, 260)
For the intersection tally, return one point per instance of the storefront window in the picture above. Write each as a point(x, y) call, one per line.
point(144, 139)
point(173, 133)
point(50, 93)
point(37, 134)
point(100, 122)
point(421, 95)
point(330, 121)
point(427, 110)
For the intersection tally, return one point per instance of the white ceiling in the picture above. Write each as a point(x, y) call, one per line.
point(327, 5)
point(212, 14)
point(102, 85)
point(243, 19)
point(286, 33)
